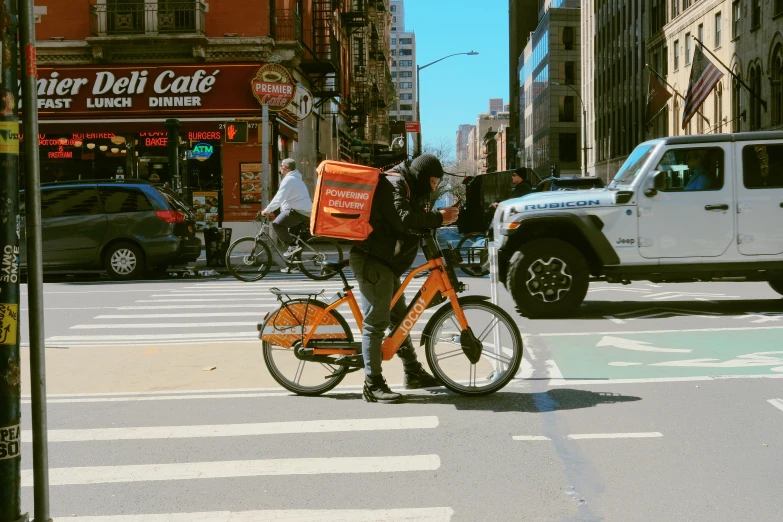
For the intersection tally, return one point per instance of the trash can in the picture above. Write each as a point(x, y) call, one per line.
point(224, 242)
point(212, 247)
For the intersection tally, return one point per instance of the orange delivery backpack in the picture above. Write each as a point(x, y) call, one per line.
point(343, 200)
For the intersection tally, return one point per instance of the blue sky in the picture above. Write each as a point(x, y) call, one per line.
point(455, 90)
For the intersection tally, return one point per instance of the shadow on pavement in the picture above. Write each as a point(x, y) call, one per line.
point(591, 310)
point(501, 402)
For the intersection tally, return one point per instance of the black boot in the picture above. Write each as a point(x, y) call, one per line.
point(376, 390)
point(417, 377)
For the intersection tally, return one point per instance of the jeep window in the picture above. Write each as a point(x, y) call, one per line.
point(692, 169)
point(633, 165)
point(762, 166)
point(124, 199)
point(68, 202)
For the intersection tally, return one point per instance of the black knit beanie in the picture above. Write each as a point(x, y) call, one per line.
point(425, 167)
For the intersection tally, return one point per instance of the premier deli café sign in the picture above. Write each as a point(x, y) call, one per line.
point(98, 92)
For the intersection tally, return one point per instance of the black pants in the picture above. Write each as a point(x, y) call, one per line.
point(288, 219)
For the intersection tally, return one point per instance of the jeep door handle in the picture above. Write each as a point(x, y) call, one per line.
point(716, 207)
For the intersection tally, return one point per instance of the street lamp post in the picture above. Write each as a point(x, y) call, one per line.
point(418, 92)
point(584, 126)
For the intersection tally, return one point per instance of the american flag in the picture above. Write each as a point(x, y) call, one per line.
point(704, 77)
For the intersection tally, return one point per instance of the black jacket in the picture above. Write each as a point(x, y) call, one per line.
point(521, 189)
point(395, 210)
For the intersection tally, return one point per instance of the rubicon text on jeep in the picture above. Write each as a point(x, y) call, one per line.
point(681, 209)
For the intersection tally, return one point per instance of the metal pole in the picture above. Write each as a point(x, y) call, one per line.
point(417, 152)
point(35, 295)
point(494, 282)
point(584, 140)
point(10, 364)
point(172, 147)
point(266, 175)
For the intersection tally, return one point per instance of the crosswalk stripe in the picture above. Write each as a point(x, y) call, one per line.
point(193, 307)
point(269, 299)
point(90, 400)
point(208, 314)
point(436, 514)
point(161, 325)
point(238, 430)
point(236, 468)
point(152, 337)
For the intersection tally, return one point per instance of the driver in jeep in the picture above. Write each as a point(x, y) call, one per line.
point(400, 204)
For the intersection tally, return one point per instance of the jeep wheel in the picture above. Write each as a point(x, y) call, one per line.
point(548, 278)
point(777, 286)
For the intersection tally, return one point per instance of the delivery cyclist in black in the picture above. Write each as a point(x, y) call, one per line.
point(399, 204)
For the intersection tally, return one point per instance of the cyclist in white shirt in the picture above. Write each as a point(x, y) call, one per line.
point(295, 205)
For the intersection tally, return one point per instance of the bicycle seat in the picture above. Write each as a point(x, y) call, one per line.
point(335, 266)
point(277, 291)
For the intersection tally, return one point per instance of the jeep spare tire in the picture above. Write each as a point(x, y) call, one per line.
point(548, 278)
point(777, 286)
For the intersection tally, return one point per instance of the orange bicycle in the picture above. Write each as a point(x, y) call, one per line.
point(309, 347)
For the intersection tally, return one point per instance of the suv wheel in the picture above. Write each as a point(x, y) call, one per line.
point(548, 278)
point(124, 261)
point(777, 286)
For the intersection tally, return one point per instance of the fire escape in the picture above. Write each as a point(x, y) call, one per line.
point(380, 86)
point(321, 61)
point(356, 23)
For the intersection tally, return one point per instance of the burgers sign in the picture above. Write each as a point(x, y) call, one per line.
point(273, 86)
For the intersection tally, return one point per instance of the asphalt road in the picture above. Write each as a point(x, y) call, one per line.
point(657, 402)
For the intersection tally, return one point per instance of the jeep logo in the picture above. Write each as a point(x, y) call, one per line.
point(565, 204)
point(623, 241)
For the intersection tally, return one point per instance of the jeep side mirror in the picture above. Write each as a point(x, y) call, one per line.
point(658, 183)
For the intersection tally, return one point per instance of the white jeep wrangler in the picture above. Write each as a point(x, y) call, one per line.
point(681, 209)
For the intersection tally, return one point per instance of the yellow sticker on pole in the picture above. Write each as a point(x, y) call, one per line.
point(9, 137)
point(9, 322)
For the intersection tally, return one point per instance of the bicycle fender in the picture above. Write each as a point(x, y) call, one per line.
point(462, 300)
point(283, 326)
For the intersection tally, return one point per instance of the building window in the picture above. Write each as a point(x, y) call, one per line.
point(406, 85)
point(406, 96)
point(676, 54)
point(406, 52)
point(406, 107)
point(718, 112)
point(777, 8)
point(686, 4)
point(718, 29)
point(406, 41)
point(754, 79)
point(406, 74)
point(676, 118)
point(736, 102)
point(700, 33)
point(567, 113)
point(394, 19)
point(394, 52)
point(675, 8)
point(394, 9)
point(735, 19)
point(568, 38)
point(394, 63)
point(569, 74)
point(406, 63)
point(665, 61)
point(394, 74)
point(776, 66)
point(687, 48)
point(394, 29)
point(394, 41)
point(568, 147)
point(755, 14)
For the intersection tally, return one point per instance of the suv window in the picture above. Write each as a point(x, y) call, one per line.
point(64, 202)
point(762, 166)
point(124, 199)
point(692, 169)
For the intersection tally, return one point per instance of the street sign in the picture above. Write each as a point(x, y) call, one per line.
point(412, 126)
point(236, 132)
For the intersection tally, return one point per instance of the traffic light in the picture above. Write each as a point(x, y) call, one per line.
point(553, 170)
point(236, 132)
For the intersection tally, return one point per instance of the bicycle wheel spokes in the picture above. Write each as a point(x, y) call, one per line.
point(317, 251)
point(302, 377)
point(248, 259)
point(500, 357)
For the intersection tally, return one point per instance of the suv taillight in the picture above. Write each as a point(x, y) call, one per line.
point(171, 216)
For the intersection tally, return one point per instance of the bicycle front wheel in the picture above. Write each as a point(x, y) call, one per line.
point(248, 260)
point(475, 240)
point(500, 342)
point(315, 252)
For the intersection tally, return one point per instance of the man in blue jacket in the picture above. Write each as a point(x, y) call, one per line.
point(400, 204)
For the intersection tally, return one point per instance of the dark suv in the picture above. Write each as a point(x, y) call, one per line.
point(126, 227)
point(569, 183)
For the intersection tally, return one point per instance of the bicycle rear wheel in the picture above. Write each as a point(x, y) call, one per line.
point(248, 260)
point(315, 252)
point(294, 374)
point(501, 348)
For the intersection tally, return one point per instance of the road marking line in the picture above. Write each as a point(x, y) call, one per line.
point(584, 436)
point(204, 300)
point(437, 514)
point(238, 430)
point(530, 437)
point(217, 391)
point(553, 370)
point(350, 319)
point(236, 468)
point(778, 403)
point(619, 332)
point(614, 319)
point(196, 307)
point(163, 398)
point(242, 294)
point(153, 337)
point(571, 382)
point(144, 326)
